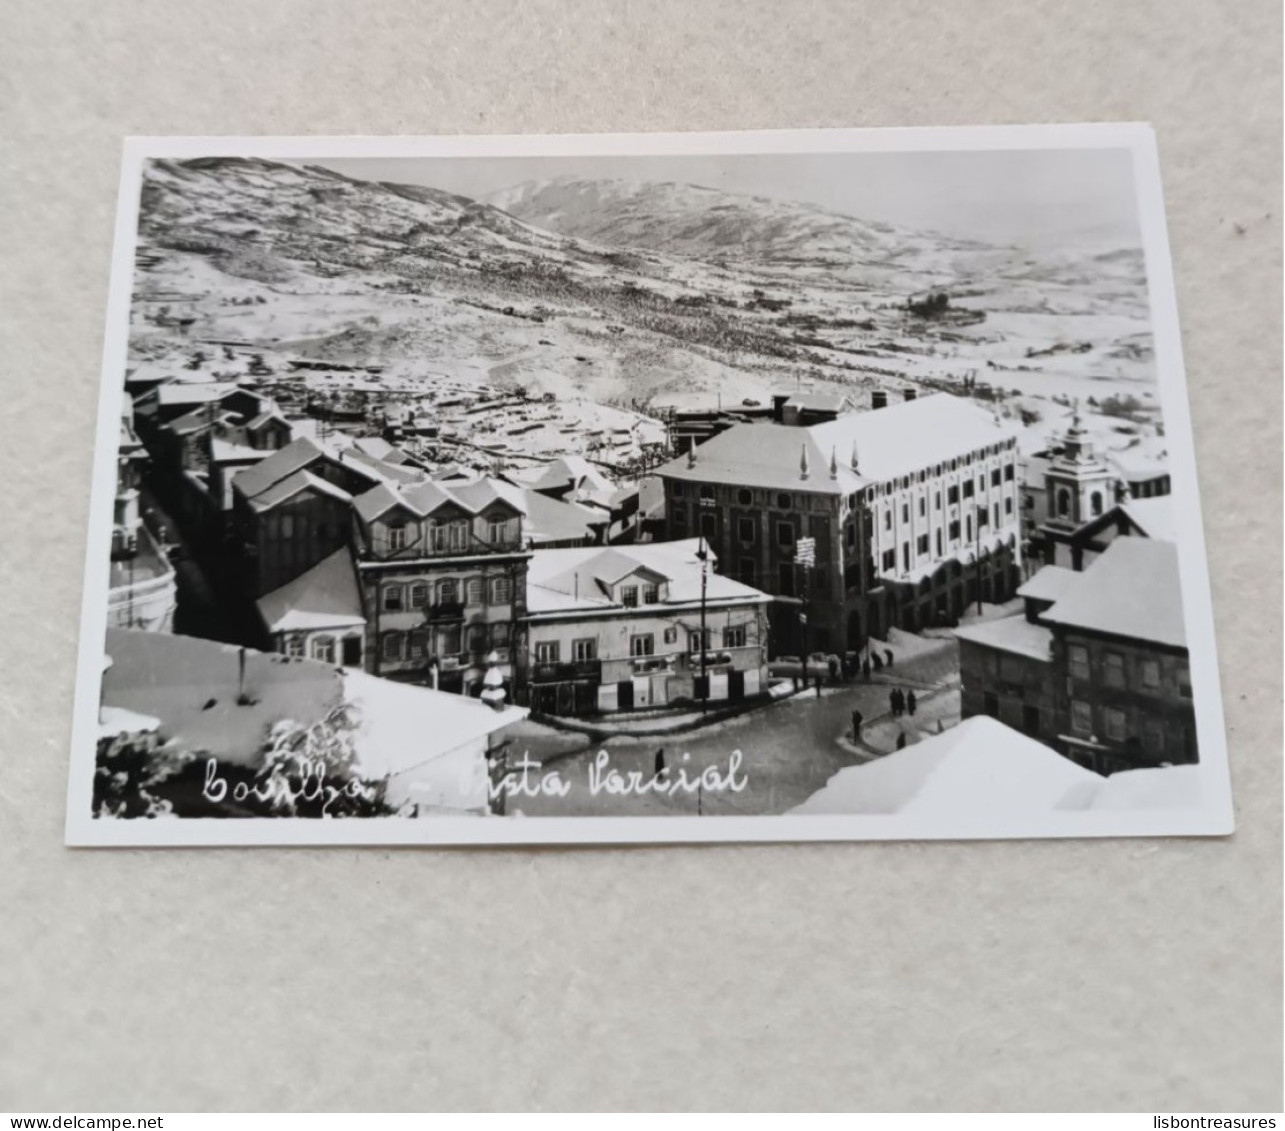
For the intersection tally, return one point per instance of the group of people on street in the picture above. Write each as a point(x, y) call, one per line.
point(901, 702)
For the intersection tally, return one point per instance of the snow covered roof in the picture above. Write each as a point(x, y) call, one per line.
point(1159, 787)
point(292, 485)
point(113, 722)
point(401, 726)
point(888, 442)
point(820, 402)
point(1154, 516)
point(572, 471)
point(553, 520)
point(1132, 589)
point(193, 391)
point(425, 496)
point(1010, 634)
point(981, 765)
point(223, 450)
point(285, 461)
point(1048, 584)
point(324, 597)
point(574, 579)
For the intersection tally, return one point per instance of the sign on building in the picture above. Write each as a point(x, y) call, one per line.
point(805, 552)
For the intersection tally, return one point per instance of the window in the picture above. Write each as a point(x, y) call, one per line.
point(968, 527)
point(476, 636)
point(968, 489)
point(905, 556)
point(1081, 717)
point(887, 518)
point(952, 495)
point(1115, 724)
point(475, 591)
point(921, 544)
point(629, 596)
point(954, 531)
point(1153, 736)
point(497, 531)
point(677, 489)
point(547, 651)
point(1077, 656)
point(417, 644)
point(1008, 506)
point(679, 512)
point(644, 644)
point(995, 477)
point(418, 595)
point(937, 501)
point(889, 561)
point(448, 640)
point(939, 549)
point(709, 525)
point(1113, 669)
point(698, 641)
point(392, 598)
point(1008, 473)
point(785, 534)
point(392, 646)
point(734, 636)
point(448, 592)
point(650, 594)
point(995, 513)
point(582, 650)
point(1095, 502)
point(744, 497)
point(295, 647)
point(1064, 502)
point(745, 530)
point(1151, 674)
point(783, 501)
point(1184, 682)
point(397, 537)
point(923, 506)
point(905, 512)
point(501, 591)
point(500, 634)
point(671, 636)
point(706, 491)
point(748, 571)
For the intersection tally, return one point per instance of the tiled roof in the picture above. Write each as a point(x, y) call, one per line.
point(292, 485)
point(286, 461)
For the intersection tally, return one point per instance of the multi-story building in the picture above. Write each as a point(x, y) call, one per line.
point(442, 571)
point(142, 590)
point(912, 510)
point(1098, 668)
point(627, 627)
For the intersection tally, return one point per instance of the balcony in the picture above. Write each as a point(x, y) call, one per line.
point(443, 612)
point(576, 669)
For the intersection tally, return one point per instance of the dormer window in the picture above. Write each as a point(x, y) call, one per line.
point(397, 536)
point(629, 596)
point(650, 594)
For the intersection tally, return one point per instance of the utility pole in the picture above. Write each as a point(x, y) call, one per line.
point(977, 554)
point(703, 555)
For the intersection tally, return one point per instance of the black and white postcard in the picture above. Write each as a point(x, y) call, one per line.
point(798, 485)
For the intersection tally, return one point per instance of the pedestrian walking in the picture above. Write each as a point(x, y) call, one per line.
point(818, 678)
point(833, 664)
point(660, 761)
point(857, 719)
point(895, 702)
point(887, 655)
point(910, 701)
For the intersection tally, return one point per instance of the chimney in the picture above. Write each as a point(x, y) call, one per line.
point(803, 461)
point(834, 464)
point(854, 455)
point(879, 399)
point(910, 394)
point(691, 454)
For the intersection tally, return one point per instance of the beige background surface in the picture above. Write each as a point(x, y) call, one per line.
point(1130, 975)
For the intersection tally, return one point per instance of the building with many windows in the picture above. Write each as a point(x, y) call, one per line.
point(620, 628)
point(911, 508)
point(1098, 667)
point(442, 571)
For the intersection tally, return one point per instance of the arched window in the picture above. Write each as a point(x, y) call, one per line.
point(1095, 501)
point(475, 591)
point(1063, 501)
point(500, 591)
point(392, 646)
point(418, 595)
point(448, 591)
point(323, 649)
point(393, 598)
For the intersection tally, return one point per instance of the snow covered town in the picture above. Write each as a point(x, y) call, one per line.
point(853, 578)
point(550, 500)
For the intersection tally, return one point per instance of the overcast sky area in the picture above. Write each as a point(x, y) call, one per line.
point(1040, 197)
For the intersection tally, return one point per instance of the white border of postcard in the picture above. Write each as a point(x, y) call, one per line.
point(1213, 817)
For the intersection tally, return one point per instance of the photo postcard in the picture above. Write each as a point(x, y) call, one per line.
point(771, 486)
